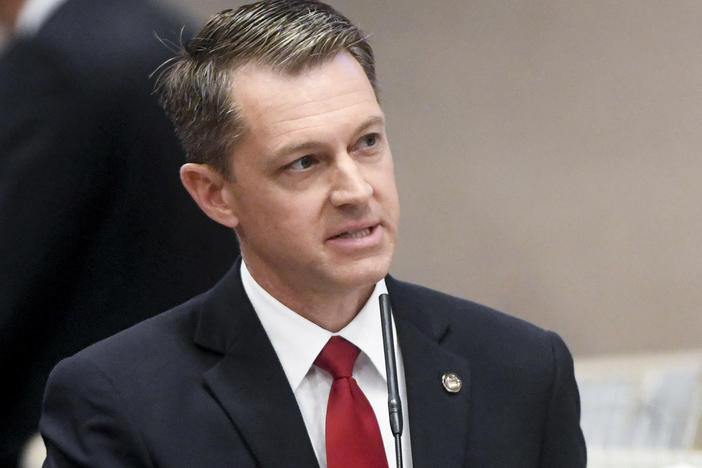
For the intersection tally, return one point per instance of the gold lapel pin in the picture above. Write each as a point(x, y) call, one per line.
point(452, 383)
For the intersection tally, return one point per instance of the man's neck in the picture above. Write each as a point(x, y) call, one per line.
point(331, 310)
point(333, 313)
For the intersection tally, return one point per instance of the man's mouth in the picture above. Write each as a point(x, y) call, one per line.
point(353, 234)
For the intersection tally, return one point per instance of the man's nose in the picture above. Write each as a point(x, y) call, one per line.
point(350, 186)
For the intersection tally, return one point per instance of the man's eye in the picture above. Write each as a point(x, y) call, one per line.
point(369, 140)
point(303, 163)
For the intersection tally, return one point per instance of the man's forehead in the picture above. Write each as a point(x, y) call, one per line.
point(260, 89)
point(295, 68)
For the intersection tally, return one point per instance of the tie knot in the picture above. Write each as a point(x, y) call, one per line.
point(337, 357)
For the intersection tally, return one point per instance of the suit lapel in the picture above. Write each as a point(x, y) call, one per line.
point(250, 385)
point(249, 382)
point(438, 419)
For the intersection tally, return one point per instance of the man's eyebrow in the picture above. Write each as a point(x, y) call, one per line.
point(370, 122)
point(296, 147)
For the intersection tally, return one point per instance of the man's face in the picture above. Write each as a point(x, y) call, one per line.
point(313, 190)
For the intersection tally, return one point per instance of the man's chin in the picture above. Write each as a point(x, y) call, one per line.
point(363, 273)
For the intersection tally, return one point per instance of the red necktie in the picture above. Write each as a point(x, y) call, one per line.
point(352, 432)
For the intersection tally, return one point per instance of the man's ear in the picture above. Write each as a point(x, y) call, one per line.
point(207, 187)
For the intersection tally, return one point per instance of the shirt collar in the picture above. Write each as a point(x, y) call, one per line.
point(297, 341)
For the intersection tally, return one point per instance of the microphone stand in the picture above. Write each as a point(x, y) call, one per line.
point(394, 403)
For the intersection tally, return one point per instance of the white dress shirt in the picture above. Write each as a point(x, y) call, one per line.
point(297, 342)
point(33, 14)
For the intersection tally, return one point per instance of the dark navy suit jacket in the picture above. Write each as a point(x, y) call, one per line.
point(200, 385)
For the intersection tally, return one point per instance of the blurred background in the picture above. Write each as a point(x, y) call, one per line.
point(548, 161)
point(548, 157)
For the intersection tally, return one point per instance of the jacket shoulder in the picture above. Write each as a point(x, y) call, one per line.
point(491, 340)
point(459, 312)
point(148, 344)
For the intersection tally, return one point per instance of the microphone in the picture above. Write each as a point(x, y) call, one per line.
point(394, 403)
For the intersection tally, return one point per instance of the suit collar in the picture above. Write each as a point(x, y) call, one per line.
point(249, 382)
point(434, 326)
point(224, 313)
point(439, 421)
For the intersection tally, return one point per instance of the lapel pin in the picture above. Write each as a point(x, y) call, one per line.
point(451, 382)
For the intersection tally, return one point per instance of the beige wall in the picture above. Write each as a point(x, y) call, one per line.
point(548, 157)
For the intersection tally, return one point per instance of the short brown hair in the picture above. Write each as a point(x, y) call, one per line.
point(287, 35)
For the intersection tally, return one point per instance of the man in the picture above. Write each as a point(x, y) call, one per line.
point(95, 235)
point(277, 364)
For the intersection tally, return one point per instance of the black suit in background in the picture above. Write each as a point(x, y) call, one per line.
point(96, 232)
point(201, 386)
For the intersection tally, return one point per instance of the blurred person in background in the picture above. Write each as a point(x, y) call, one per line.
point(96, 232)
